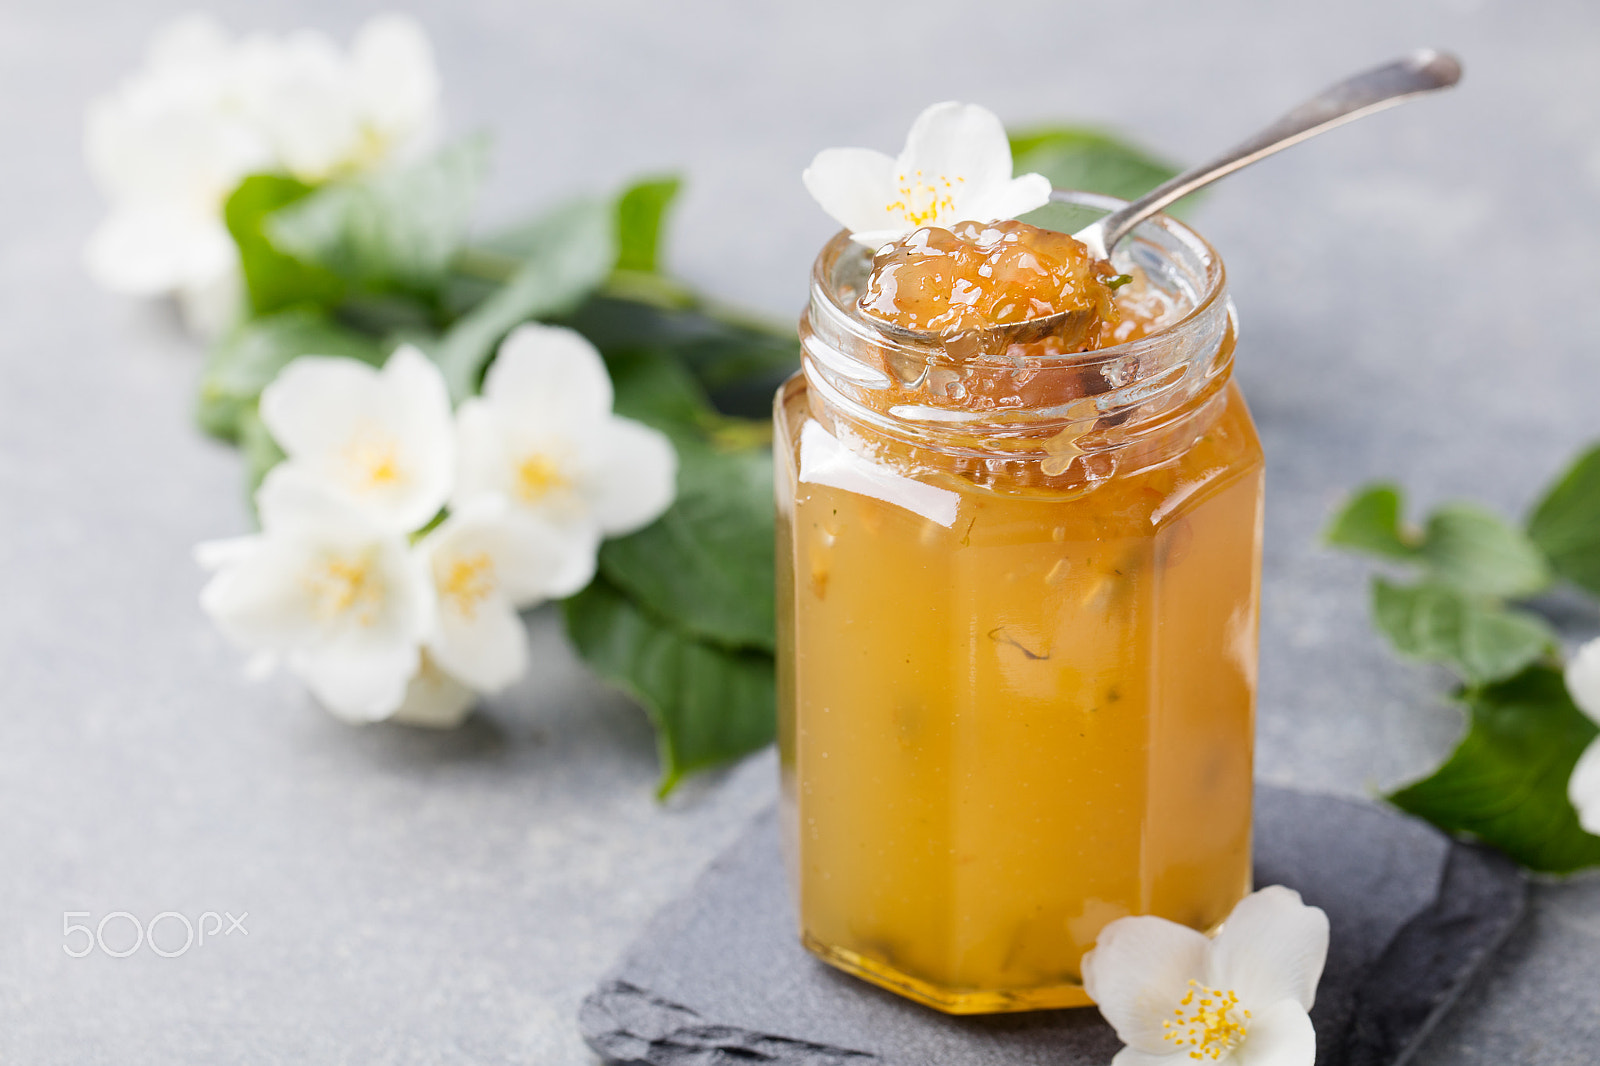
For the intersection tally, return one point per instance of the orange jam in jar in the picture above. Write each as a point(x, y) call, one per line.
point(977, 275)
point(1018, 585)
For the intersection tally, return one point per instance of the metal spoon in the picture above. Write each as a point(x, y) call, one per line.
point(1423, 71)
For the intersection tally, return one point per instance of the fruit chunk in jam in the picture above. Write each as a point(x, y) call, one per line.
point(977, 275)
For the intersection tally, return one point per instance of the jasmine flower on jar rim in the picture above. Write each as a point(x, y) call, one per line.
point(955, 167)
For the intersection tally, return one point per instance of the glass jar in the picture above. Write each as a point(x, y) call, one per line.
point(1017, 631)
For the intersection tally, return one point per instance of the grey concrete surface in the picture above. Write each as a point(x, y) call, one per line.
point(1417, 294)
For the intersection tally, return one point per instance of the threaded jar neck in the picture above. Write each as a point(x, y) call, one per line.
point(1017, 417)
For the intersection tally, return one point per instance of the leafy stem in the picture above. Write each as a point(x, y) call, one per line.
point(682, 614)
point(482, 263)
point(1469, 572)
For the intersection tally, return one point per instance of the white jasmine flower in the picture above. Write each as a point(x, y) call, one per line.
point(325, 113)
point(434, 699)
point(481, 566)
point(166, 153)
point(1583, 787)
point(544, 438)
point(955, 167)
point(396, 85)
point(380, 440)
point(332, 594)
point(1174, 995)
point(298, 92)
point(171, 143)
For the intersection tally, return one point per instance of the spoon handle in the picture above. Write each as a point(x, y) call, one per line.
point(1423, 71)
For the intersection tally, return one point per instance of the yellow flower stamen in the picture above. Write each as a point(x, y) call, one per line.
point(537, 477)
point(921, 202)
point(467, 582)
point(373, 462)
point(346, 585)
point(1208, 1021)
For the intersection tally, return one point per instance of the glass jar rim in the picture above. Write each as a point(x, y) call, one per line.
point(936, 349)
point(1017, 407)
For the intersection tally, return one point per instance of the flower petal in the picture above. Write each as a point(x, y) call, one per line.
point(426, 428)
point(1280, 1035)
point(855, 187)
point(877, 238)
point(1583, 679)
point(533, 563)
point(1132, 1056)
point(309, 407)
point(300, 91)
point(291, 499)
point(965, 141)
point(485, 645)
point(524, 551)
point(415, 382)
point(1583, 788)
point(574, 568)
point(1010, 199)
point(543, 437)
point(336, 594)
point(483, 455)
point(549, 375)
point(168, 141)
point(358, 684)
point(210, 306)
point(255, 597)
point(153, 249)
point(1138, 971)
point(215, 554)
point(434, 699)
point(382, 441)
point(634, 477)
point(1271, 947)
point(481, 563)
point(397, 84)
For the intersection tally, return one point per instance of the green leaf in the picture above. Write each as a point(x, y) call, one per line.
point(1566, 523)
point(641, 213)
point(739, 362)
point(274, 280)
point(1088, 160)
point(707, 564)
point(708, 704)
point(1477, 552)
point(572, 250)
point(1464, 546)
point(1370, 523)
point(247, 360)
point(1438, 623)
point(655, 388)
point(1506, 784)
point(398, 228)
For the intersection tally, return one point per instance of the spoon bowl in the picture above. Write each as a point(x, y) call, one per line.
point(1068, 325)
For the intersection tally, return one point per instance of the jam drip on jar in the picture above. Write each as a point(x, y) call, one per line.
point(979, 275)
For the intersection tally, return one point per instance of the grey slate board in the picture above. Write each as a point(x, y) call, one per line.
point(720, 978)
